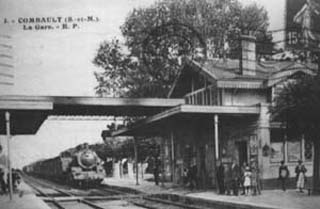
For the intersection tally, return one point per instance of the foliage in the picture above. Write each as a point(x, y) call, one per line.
point(148, 148)
point(103, 151)
point(157, 37)
point(119, 148)
point(298, 105)
point(117, 67)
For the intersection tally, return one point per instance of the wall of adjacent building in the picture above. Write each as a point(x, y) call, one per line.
point(243, 97)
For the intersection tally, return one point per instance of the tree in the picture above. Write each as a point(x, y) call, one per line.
point(123, 147)
point(298, 106)
point(157, 37)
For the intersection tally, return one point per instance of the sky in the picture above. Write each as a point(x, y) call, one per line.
point(56, 134)
point(59, 62)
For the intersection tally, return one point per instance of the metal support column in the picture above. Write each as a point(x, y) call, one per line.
point(172, 157)
point(162, 162)
point(216, 135)
point(135, 146)
point(7, 117)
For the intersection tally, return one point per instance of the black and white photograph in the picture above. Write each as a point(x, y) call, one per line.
point(159, 104)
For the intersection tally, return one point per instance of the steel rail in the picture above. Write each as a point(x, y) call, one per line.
point(135, 199)
point(55, 200)
point(56, 203)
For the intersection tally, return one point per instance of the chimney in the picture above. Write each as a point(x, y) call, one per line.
point(248, 55)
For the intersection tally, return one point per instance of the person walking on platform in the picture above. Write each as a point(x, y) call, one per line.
point(227, 179)
point(235, 176)
point(243, 169)
point(300, 175)
point(220, 177)
point(2, 182)
point(156, 170)
point(16, 179)
point(255, 178)
point(192, 176)
point(283, 175)
point(185, 179)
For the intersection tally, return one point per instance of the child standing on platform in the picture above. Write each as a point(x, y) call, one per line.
point(247, 180)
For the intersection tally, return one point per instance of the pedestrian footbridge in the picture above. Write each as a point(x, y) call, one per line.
point(27, 113)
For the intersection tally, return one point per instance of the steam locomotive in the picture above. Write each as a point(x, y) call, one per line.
point(80, 167)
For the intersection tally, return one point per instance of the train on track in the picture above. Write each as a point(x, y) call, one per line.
point(79, 167)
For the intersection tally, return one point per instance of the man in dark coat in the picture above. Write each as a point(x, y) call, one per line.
point(228, 179)
point(192, 176)
point(242, 170)
point(156, 170)
point(235, 176)
point(283, 175)
point(220, 177)
point(2, 182)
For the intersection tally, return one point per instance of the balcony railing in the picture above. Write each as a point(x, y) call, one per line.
point(204, 96)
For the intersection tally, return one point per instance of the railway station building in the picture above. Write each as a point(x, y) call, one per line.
point(226, 117)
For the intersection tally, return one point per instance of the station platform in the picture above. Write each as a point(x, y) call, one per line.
point(269, 199)
point(24, 198)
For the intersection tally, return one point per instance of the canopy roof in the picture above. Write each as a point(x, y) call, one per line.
point(154, 123)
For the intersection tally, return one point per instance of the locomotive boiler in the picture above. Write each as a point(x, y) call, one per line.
point(88, 168)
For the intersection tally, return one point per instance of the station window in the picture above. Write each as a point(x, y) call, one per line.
point(300, 149)
point(294, 150)
point(308, 151)
point(276, 145)
point(290, 150)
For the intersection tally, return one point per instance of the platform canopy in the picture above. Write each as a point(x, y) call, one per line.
point(182, 114)
point(29, 112)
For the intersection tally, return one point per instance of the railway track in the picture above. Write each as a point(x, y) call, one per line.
point(151, 202)
point(59, 198)
point(64, 197)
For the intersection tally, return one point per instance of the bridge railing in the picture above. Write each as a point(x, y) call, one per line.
point(203, 96)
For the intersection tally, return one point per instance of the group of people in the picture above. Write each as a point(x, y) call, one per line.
point(233, 178)
point(300, 171)
point(4, 181)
